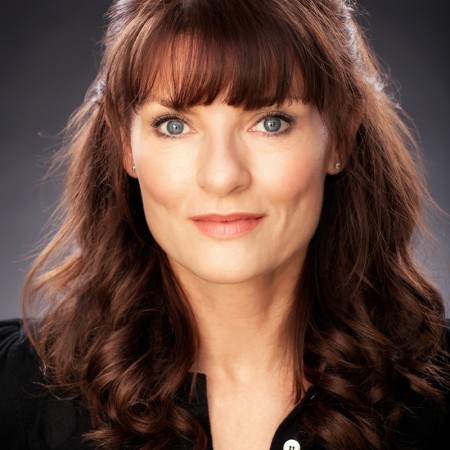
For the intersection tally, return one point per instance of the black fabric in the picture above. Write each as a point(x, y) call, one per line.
point(32, 418)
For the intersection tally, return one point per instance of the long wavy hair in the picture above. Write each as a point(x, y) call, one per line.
point(113, 326)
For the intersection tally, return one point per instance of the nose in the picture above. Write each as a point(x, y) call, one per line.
point(223, 165)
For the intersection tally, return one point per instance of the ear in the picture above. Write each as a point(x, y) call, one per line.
point(335, 161)
point(339, 156)
point(127, 157)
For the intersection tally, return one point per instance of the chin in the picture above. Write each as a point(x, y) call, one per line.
point(226, 273)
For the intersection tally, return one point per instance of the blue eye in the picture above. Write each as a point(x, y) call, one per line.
point(174, 127)
point(272, 124)
point(170, 126)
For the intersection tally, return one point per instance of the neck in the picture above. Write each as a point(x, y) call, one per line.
point(242, 327)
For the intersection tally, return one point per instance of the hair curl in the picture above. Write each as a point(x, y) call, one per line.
point(114, 326)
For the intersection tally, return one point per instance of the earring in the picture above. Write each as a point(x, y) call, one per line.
point(338, 166)
point(133, 168)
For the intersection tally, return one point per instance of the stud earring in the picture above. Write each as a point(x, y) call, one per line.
point(338, 166)
point(133, 168)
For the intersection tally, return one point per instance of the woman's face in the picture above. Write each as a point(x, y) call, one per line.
point(231, 195)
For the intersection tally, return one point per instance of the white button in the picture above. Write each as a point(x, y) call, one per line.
point(291, 444)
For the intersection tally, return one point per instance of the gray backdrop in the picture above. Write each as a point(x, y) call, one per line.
point(48, 57)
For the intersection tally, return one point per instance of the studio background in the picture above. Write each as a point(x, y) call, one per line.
point(49, 56)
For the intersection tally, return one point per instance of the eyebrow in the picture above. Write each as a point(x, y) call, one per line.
point(168, 104)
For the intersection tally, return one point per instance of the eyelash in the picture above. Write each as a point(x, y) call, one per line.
point(161, 119)
point(276, 114)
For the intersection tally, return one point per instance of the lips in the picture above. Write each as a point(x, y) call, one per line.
point(227, 226)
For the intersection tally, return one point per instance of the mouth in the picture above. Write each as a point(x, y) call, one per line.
point(227, 226)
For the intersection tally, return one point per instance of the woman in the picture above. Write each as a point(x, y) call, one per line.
point(234, 264)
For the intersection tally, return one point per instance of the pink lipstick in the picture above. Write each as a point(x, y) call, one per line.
point(227, 226)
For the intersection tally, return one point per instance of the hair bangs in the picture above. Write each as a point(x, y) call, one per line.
point(243, 61)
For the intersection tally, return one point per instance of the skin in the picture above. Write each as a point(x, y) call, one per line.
point(240, 288)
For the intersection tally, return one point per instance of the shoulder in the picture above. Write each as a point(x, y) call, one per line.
point(426, 425)
point(16, 356)
point(30, 416)
point(16, 364)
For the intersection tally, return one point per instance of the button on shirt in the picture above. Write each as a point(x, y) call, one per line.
point(289, 435)
point(33, 419)
point(291, 444)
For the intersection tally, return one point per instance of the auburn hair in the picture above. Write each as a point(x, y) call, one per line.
point(105, 313)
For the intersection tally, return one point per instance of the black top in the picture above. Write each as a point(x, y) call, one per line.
point(32, 418)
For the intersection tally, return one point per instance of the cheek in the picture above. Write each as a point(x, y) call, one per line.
point(300, 179)
point(158, 186)
point(161, 197)
point(299, 176)
point(162, 194)
point(159, 169)
point(162, 178)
